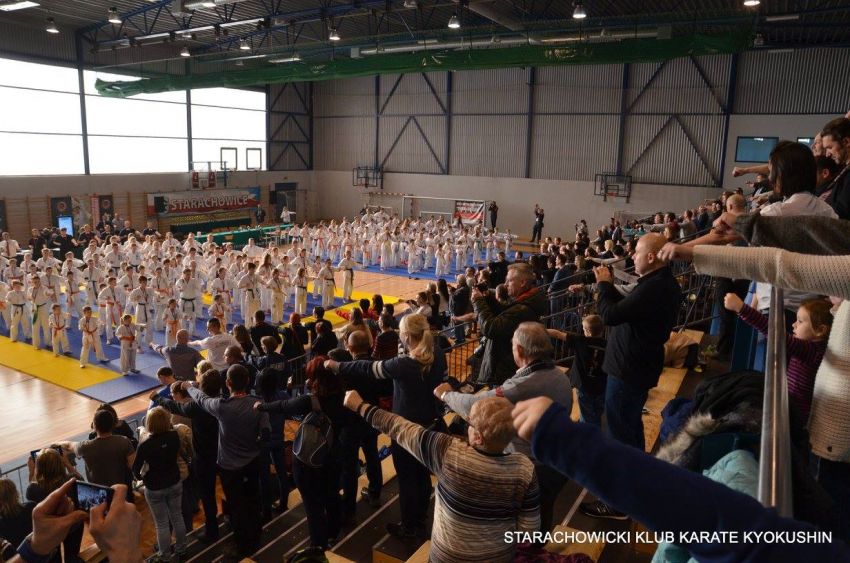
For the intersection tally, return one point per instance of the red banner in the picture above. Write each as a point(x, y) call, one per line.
point(470, 212)
point(204, 201)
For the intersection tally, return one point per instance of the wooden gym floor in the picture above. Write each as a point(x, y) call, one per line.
point(37, 413)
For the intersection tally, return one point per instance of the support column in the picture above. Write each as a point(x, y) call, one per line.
point(78, 44)
point(377, 119)
point(624, 99)
point(189, 126)
point(727, 113)
point(449, 89)
point(529, 139)
point(269, 109)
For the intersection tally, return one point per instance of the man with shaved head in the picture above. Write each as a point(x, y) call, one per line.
point(181, 358)
point(640, 321)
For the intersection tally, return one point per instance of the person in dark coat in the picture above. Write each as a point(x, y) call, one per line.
point(641, 322)
point(498, 322)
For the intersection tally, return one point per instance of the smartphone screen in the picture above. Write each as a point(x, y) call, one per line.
point(57, 449)
point(88, 495)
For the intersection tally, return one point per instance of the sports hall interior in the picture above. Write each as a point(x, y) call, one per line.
point(194, 117)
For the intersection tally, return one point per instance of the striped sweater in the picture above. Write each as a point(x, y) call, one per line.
point(829, 431)
point(479, 496)
point(804, 357)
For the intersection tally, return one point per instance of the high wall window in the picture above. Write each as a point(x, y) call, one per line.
point(40, 127)
point(41, 131)
point(225, 124)
point(144, 133)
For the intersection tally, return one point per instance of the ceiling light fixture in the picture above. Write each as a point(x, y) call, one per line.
point(12, 6)
point(184, 52)
point(208, 4)
point(579, 13)
point(294, 58)
point(243, 45)
point(751, 3)
point(411, 4)
point(454, 22)
point(113, 16)
point(334, 35)
point(783, 18)
point(51, 26)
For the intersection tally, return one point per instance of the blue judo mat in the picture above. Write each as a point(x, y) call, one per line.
point(147, 363)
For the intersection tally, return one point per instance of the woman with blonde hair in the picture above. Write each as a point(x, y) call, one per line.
point(414, 376)
point(156, 464)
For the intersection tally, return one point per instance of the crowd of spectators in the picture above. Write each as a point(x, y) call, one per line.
point(519, 446)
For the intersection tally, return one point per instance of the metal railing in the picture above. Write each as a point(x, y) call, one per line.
point(774, 488)
point(697, 307)
point(19, 474)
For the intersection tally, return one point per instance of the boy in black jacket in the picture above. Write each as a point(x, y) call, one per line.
point(586, 373)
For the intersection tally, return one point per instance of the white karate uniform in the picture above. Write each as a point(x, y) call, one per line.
point(172, 318)
point(278, 288)
point(40, 313)
point(59, 333)
point(346, 265)
point(16, 299)
point(300, 283)
point(91, 339)
point(143, 301)
point(250, 285)
point(109, 313)
point(127, 337)
point(190, 302)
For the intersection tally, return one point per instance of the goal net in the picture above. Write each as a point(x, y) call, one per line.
point(389, 203)
point(471, 211)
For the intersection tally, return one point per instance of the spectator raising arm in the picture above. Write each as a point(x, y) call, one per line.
point(209, 404)
point(662, 496)
point(826, 275)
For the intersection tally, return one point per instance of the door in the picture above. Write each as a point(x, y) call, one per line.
point(285, 195)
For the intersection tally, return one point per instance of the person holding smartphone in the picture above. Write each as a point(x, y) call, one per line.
point(49, 470)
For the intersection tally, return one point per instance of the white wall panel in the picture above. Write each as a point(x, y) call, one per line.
point(488, 146)
point(413, 95)
point(574, 147)
point(677, 87)
point(578, 89)
point(404, 148)
point(802, 81)
point(349, 96)
point(343, 143)
point(490, 91)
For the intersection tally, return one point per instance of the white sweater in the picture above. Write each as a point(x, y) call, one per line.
point(829, 422)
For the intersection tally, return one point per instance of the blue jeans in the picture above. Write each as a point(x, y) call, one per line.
point(460, 333)
point(591, 408)
point(165, 505)
point(623, 407)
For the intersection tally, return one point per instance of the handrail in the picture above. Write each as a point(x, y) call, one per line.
point(774, 488)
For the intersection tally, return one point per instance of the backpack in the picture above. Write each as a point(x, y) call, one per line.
point(314, 438)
